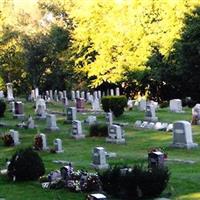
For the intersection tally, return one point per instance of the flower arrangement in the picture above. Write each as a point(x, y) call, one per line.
point(8, 140)
point(38, 142)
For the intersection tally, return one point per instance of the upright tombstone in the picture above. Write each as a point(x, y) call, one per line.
point(56, 96)
point(73, 97)
point(64, 93)
point(196, 114)
point(51, 122)
point(175, 105)
point(15, 135)
point(95, 104)
point(115, 134)
point(40, 108)
point(19, 109)
point(36, 92)
point(150, 114)
point(182, 135)
point(99, 94)
point(9, 91)
point(77, 131)
point(65, 101)
point(80, 104)
point(83, 95)
point(142, 105)
point(71, 114)
point(60, 95)
point(58, 145)
point(91, 119)
point(117, 92)
point(130, 104)
point(88, 96)
point(41, 142)
point(77, 94)
point(109, 118)
point(30, 123)
point(99, 158)
point(95, 95)
point(111, 92)
point(51, 94)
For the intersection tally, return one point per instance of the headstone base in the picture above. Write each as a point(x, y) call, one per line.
point(151, 119)
point(115, 141)
point(53, 129)
point(19, 116)
point(77, 137)
point(40, 117)
point(61, 151)
point(105, 166)
point(187, 146)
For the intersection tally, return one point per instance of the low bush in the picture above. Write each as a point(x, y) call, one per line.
point(98, 130)
point(25, 164)
point(164, 104)
point(2, 107)
point(116, 104)
point(134, 183)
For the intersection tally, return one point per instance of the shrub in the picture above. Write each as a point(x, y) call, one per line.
point(191, 103)
point(114, 103)
point(98, 130)
point(8, 140)
point(164, 104)
point(2, 107)
point(24, 165)
point(134, 183)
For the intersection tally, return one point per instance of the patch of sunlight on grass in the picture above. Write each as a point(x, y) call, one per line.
point(161, 137)
point(192, 196)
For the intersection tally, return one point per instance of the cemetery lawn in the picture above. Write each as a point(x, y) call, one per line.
point(184, 180)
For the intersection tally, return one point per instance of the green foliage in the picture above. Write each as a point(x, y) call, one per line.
point(135, 182)
point(98, 130)
point(164, 104)
point(25, 165)
point(116, 104)
point(2, 107)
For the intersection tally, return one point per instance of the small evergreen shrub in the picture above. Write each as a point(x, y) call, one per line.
point(134, 183)
point(2, 107)
point(8, 140)
point(98, 130)
point(114, 103)
point(164, 104)
point(25, 165)
point(191, 103)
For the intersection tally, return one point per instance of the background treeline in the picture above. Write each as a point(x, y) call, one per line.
point(147, 47)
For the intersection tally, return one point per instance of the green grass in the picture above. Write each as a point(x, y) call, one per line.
point(184, 181)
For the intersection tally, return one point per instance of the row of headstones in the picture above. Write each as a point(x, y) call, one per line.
point(175, 105)
point(154, 125)
point(57, 142)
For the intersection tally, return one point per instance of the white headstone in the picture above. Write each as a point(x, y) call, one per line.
point(175, 105)
point(77, 94)
point(182, 135)
point(71, 114)
point(99, 94)
point(51, 122)
point(1, 94)
point(95, 95)
point(115, 134)
point(15, 135)
point(73, 95)
point(10, 92)
point(142, 105)
point(44, 141)
point(83, 95)
point(30, 123)
point(109, 118)
point(91, 119)
point(40, 108)
point(117, 92)
point(130, 104)
point(36, 93)
point(51, 94)
point(111, 92)
point(99, 158)
point(150, 114)
point(58, 145)
point(65, 93)
point(95, 104)
point(77, 131)
point(196, 114)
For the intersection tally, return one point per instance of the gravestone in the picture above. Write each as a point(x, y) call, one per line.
point(196, 114)
point(58, 145)
point(156, 159)
point(65, 101)
point(40, 101)
point(30, 123)
point(169, 127)
point(109, 118)
point(95, 104)
point(91, 119)
point(151, 125)
point(99, 158)
point(15, 135)
point(40, 108)
point(117, 92)
point(95, 95)
point(77, 94)
point(64, 93)
point(51, 94)
point(83, 95)
point(36, 93)
point(111, 92)
point(51, 122)
point(56, 96)
point(19, 110)
point(73, 98)
point(175, 105)
point(138, 124)
point(99, 94)
point(88, 96)
point(80, 104)
point(60, 95)
point(77, 131)
point(182, 135)
point(9, 91)
point(44, 141)
point(144, 124)
point(130, 104)
point(115, 134)
point(142, 105)
point(150, 114)
point(71, 114)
